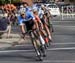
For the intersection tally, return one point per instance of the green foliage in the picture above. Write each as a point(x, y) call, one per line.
point(8, 1)
point(2, 1)
point(15, 1)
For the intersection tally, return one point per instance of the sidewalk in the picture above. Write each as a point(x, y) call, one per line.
point(7, 42)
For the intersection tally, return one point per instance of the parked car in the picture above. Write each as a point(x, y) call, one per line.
point(54, 9)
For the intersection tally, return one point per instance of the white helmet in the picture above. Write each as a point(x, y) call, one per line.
point(34, 8)
point(23, 10)
point(21, 6)
point(42, 6)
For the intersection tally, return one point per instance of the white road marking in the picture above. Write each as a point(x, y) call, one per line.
point(23, 45)
point(51, 49)
point(13, 51)
point(59, 61)
point(71, 43)
point(66, 48)
point(62, 21)
point(64, 26)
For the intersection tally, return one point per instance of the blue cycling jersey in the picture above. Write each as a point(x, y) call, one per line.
point(29, 15)
point(27, 9)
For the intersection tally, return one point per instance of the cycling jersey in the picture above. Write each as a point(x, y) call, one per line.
point(29, 16)
point(37, 18)
point(28, 9)
point(41, 13)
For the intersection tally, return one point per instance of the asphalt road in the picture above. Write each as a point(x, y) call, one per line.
point(62, 49)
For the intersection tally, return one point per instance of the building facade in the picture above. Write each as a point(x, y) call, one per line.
point(66, 1)
point(30, 2)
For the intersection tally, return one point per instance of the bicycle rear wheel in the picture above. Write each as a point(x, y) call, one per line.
point(36, 46)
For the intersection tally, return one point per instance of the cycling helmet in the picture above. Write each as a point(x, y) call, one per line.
point(22, 12)
point(34, 9)
point(21, 6)
point(42, 6)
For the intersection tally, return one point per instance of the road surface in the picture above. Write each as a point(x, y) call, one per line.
point(62, 49)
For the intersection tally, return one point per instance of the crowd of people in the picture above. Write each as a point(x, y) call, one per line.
point(9, 11)
point(8, 8)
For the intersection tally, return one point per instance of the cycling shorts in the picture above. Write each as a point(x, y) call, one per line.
point(29, 25)
point(42, 20)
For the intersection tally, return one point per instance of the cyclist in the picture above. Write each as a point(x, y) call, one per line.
point(26, 16)
point(40, 25)
point(27, 19)
point(49, 16)
point(43, 18)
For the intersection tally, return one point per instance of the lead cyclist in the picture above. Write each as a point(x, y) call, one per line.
point(27, 19)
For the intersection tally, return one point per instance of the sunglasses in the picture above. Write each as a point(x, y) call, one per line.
point(22, 14)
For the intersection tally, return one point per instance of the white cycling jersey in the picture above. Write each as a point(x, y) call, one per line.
point(41, 13)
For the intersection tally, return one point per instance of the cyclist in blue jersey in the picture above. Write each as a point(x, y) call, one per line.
point(29, 20)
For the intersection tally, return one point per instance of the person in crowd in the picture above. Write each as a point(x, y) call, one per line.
point(3, 25)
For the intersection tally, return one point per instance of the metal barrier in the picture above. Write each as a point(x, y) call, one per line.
point(68, 12)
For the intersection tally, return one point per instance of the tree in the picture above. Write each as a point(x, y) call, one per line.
point(2, 1)
point(15, 1)
point(8, 1)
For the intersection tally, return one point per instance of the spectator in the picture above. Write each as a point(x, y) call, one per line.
point(3, 25)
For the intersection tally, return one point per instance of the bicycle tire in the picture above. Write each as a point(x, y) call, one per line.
point(36, 48)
